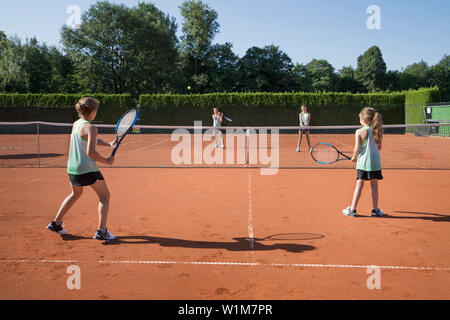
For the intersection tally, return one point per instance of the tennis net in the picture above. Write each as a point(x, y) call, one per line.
point(41, 144)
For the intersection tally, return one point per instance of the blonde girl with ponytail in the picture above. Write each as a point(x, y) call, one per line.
point(368, 144)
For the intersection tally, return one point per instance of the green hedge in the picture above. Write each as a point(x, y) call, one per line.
point(60, 107)
point(415, 101)
point(269, 109)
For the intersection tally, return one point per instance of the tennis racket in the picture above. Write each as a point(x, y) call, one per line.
point(124, 126)
point(228, 119)
point(325, 153)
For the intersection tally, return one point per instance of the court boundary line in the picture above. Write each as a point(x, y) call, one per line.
point(230, 263)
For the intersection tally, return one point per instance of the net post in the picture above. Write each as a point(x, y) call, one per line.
point(38, 146)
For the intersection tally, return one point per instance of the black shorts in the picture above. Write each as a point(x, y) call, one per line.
point(369, 175)
point(85, 180)
point(304, 130)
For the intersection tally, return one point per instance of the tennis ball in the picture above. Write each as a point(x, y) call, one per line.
point(189, 88)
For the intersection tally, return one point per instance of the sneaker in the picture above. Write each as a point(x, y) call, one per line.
point(223, 147)
point(106, 236)
point(216, 146)
point(298, 149)
point(377, 213)
point(310, 149)
point(59, 229)
point(349, 212)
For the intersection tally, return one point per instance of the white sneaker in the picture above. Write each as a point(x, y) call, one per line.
point(216, 146)
point(298, 149)
point(106, 236)
point(349, 212)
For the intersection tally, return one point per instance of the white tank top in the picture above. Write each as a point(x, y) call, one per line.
point(305, 118)
point(217, 121)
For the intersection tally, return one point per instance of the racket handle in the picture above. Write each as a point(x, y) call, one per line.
point(115, 151)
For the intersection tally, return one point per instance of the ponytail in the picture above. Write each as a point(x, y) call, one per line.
point(377, 127)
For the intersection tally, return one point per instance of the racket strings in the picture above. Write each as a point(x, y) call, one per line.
point(324, 153)
point(126, 123)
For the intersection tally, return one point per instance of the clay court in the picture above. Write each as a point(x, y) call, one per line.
point(225, 233)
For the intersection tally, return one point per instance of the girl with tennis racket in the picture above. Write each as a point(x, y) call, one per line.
point(304, 118)
point(217, 123)
point(82, 168)
point(366, 154)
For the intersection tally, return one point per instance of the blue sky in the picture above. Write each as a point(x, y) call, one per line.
point(334, 30)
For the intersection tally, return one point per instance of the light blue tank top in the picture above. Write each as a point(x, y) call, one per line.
point(79, 162)
point(369, 156)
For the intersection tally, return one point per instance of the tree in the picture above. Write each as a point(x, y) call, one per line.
point(266, 69)
point(13, 77)
point(440, 76)
point(200, 26)
point(322, 76)
point(123, 50)
point(416, 76)
point(371, 70)
point(222, 68)
point(301, 78)
point(347, 81)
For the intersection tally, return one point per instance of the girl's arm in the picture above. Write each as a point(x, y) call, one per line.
point(221, 117)
point(309, 120)
point(103, 143)
point(357, 145)
point(91, 147)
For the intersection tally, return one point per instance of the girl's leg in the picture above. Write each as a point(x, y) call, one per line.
point(374, 185)
point(357, 194)
point(103, 202)
point(221, 139)
point(68, 203)
point(300, 137)
point(307, 139)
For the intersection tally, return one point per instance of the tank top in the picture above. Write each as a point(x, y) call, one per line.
point(79, 162)
point(369, 156)
point(305, 118)
point(217, 121)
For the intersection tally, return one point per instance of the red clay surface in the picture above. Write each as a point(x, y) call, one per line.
point(184, 234)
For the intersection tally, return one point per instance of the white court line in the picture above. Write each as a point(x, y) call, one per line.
point(250, 211)
point(21, 185)
point(238, 264)
point(151, 145)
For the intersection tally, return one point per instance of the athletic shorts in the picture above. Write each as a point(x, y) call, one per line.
point(304, 129)
point(369, 175)
point(85, 180)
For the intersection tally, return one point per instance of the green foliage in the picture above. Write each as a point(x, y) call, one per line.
point(321, 75)
point(265, 69)
point(199, 29)
point(371, 70)
point(60, 107)
point(416, 100)
point(123, 50)
point(269, 109)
